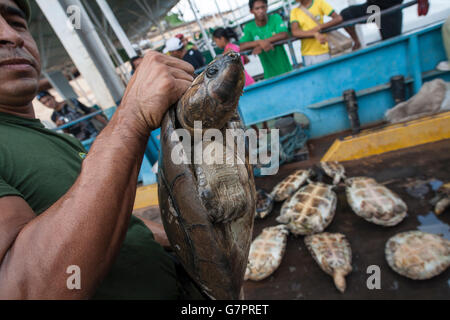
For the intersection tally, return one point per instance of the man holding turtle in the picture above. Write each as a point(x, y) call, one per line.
point(61, 208)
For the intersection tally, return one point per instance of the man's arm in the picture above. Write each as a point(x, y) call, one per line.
point(336, 19)
point(299, 33)
point(264, 43)
point(87, 226)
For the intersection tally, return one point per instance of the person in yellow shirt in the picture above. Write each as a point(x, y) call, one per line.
point(307, 21)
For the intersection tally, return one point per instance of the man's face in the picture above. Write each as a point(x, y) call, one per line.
point(19, 57)
point(49, 102)
point(259, 10)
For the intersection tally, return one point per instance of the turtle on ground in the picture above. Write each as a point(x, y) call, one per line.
point(444, 199)
point(288, 186)
point(310, 210)
point(418, 255)
point(333, 253)
point(374, 202)
point(264, 204)
point(266, 253)
point(334, 170)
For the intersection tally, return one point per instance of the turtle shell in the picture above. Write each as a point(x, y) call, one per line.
point(310, 210)
point(418, 255)
point(213, 252)
point(374, 202)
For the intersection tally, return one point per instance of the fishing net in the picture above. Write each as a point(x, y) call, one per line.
point(289, 144)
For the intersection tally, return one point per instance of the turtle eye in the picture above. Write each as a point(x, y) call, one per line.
point(211, 71)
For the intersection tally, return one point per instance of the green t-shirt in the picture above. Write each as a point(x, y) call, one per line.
point(275, 62)
point(40, 166)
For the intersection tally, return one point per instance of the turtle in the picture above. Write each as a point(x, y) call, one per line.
point(310, 210)
point(208, 208)
point(334, 170)
point(444, 199)
point(266, 253)
point(264, 204)
point(288, 186)
point(333, 253)
point(418, 255)
point(374, 202)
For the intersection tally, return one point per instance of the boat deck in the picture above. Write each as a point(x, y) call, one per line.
point(414, 174)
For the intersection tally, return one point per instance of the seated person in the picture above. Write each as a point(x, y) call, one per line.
point(63, 113)
point(259, 35)
point(391, 24)
point(223, 37)
point(306, 23)
point(177, 49)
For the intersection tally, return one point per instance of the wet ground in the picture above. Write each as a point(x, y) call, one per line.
point(414, 174)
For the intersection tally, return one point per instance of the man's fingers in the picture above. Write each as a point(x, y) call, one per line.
point(181, 87)
point(180, 64)
point(170, 61)
point(181, 75)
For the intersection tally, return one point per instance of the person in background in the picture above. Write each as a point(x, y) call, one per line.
point(63, 113)
point(187, 44)
point(261, 34)
point(222, 38)
point(307, 21)
point(445, 65)
point(177, 49)
point(391, 24)
point(135, 62)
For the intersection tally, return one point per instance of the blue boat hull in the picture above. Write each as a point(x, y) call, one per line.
point(316, 91)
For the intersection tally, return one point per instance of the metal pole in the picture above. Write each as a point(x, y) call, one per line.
point(234, 16)
point(92, 70)
point(114, 53)
point(92, 42)
point(232, 10)
point(114, 23)
point(205, 35)
point(220, 14)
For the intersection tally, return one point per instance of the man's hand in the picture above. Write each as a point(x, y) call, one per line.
point(257, 50)
point(265, 45)
point(159, 82)
point(321, 38)
point(316, 29)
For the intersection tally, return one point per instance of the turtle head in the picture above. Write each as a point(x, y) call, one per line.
point(225, 79)
point(214, 96)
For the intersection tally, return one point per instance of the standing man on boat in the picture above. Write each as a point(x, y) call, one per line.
point(260, 34)
point(307, 21)
point(64, 213)
point(391, 24)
